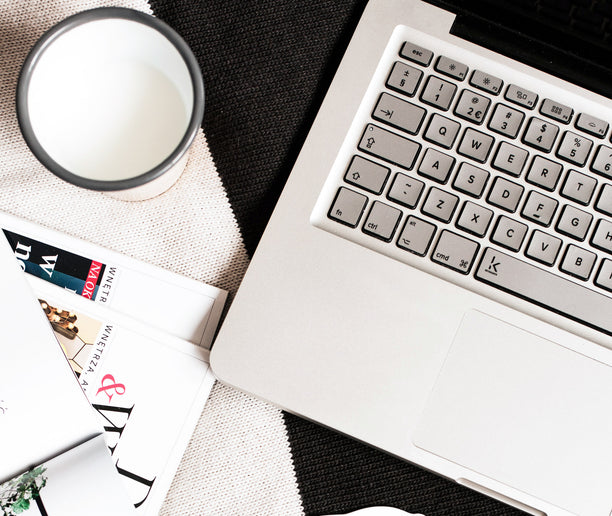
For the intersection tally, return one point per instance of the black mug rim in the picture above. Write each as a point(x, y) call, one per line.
point(71, 22)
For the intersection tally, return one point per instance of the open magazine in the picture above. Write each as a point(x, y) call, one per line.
point(145, 387)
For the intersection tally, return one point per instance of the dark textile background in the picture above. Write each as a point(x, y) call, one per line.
point(266, 66)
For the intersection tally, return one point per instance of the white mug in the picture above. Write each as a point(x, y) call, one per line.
point(111, 99)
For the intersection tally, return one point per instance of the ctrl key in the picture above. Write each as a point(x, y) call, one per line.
point(348, 207)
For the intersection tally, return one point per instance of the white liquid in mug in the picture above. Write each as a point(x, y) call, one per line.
point(107, 118)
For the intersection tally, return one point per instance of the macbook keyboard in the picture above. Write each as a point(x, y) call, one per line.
point(482, 175)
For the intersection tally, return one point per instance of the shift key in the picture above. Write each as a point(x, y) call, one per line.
point(389, 146)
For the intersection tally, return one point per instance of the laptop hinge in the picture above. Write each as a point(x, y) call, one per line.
point(534, 52)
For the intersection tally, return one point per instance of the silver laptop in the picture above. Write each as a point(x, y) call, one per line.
point(436, 277)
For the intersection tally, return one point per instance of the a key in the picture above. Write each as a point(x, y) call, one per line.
point(578, 187)
point(544, 172)
point(474, 219)
point(399, 113)
point(389, 146)
point(602, 237)
point(546, 289)
point(367, 175)
point(541, 134)
point(590, 124)
point(438, 93)
point(440, 204)
point(506, 121)
point(405, 190)
point(404, 78)
point(521, 96)
point(574, 148)
point(505, 194)
point(442, 130)
point(455, 251)
point(382, 221)
point(475, 145)
point(472, 107)
point(471, 180)
point(602, 164)
point(604, 201)
point(543, 247)
point(486, 82)
point(510, 159)
point(509, 233)
point(416, 53)
point(574, 222)
point(452, 68)
point(578, 262)
point(416, 235)
point(436, 165)
point(604, 275)
point(556, 111)
point(347, 207)
point(539, 208)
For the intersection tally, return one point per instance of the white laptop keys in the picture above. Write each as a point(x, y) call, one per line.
point(436, 277)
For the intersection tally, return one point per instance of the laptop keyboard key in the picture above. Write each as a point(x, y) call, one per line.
point(474, 219)
point(574, 222)
point(521, 96)
point(455, 251)
point(484, 81)
point(543, 247)
point(347, 207)
point(382, 221)
point(604, 201)
point(604, 275)
point(471, 180)
point(505, 194)
point(540, 134)
point(475, 145)
point(416, 235)
point(509, 233)
point(389, 146)
point(436, 165)
point(602, 237)
point(442, 130)
point(367, 175)
point(539, 208)
point(556, 111)
point(544, 173)
point(399, 113)
point(578, 187)
point(440, 204)
point(578, 262)
point(545, 289)
point(472, 107)
point(404, 78)
point(510, 159)
point(602, 164)
point(506, 121)
point(591, 125)
point(438, 93)
point(405, 190)
point(416, 53)
point(574, 148)
point(452, 68)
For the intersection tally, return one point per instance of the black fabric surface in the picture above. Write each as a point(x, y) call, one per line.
point(266, 66)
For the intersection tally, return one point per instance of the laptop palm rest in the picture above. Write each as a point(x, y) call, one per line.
point(523, 410)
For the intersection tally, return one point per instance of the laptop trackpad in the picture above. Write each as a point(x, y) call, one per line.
point(526, 412)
